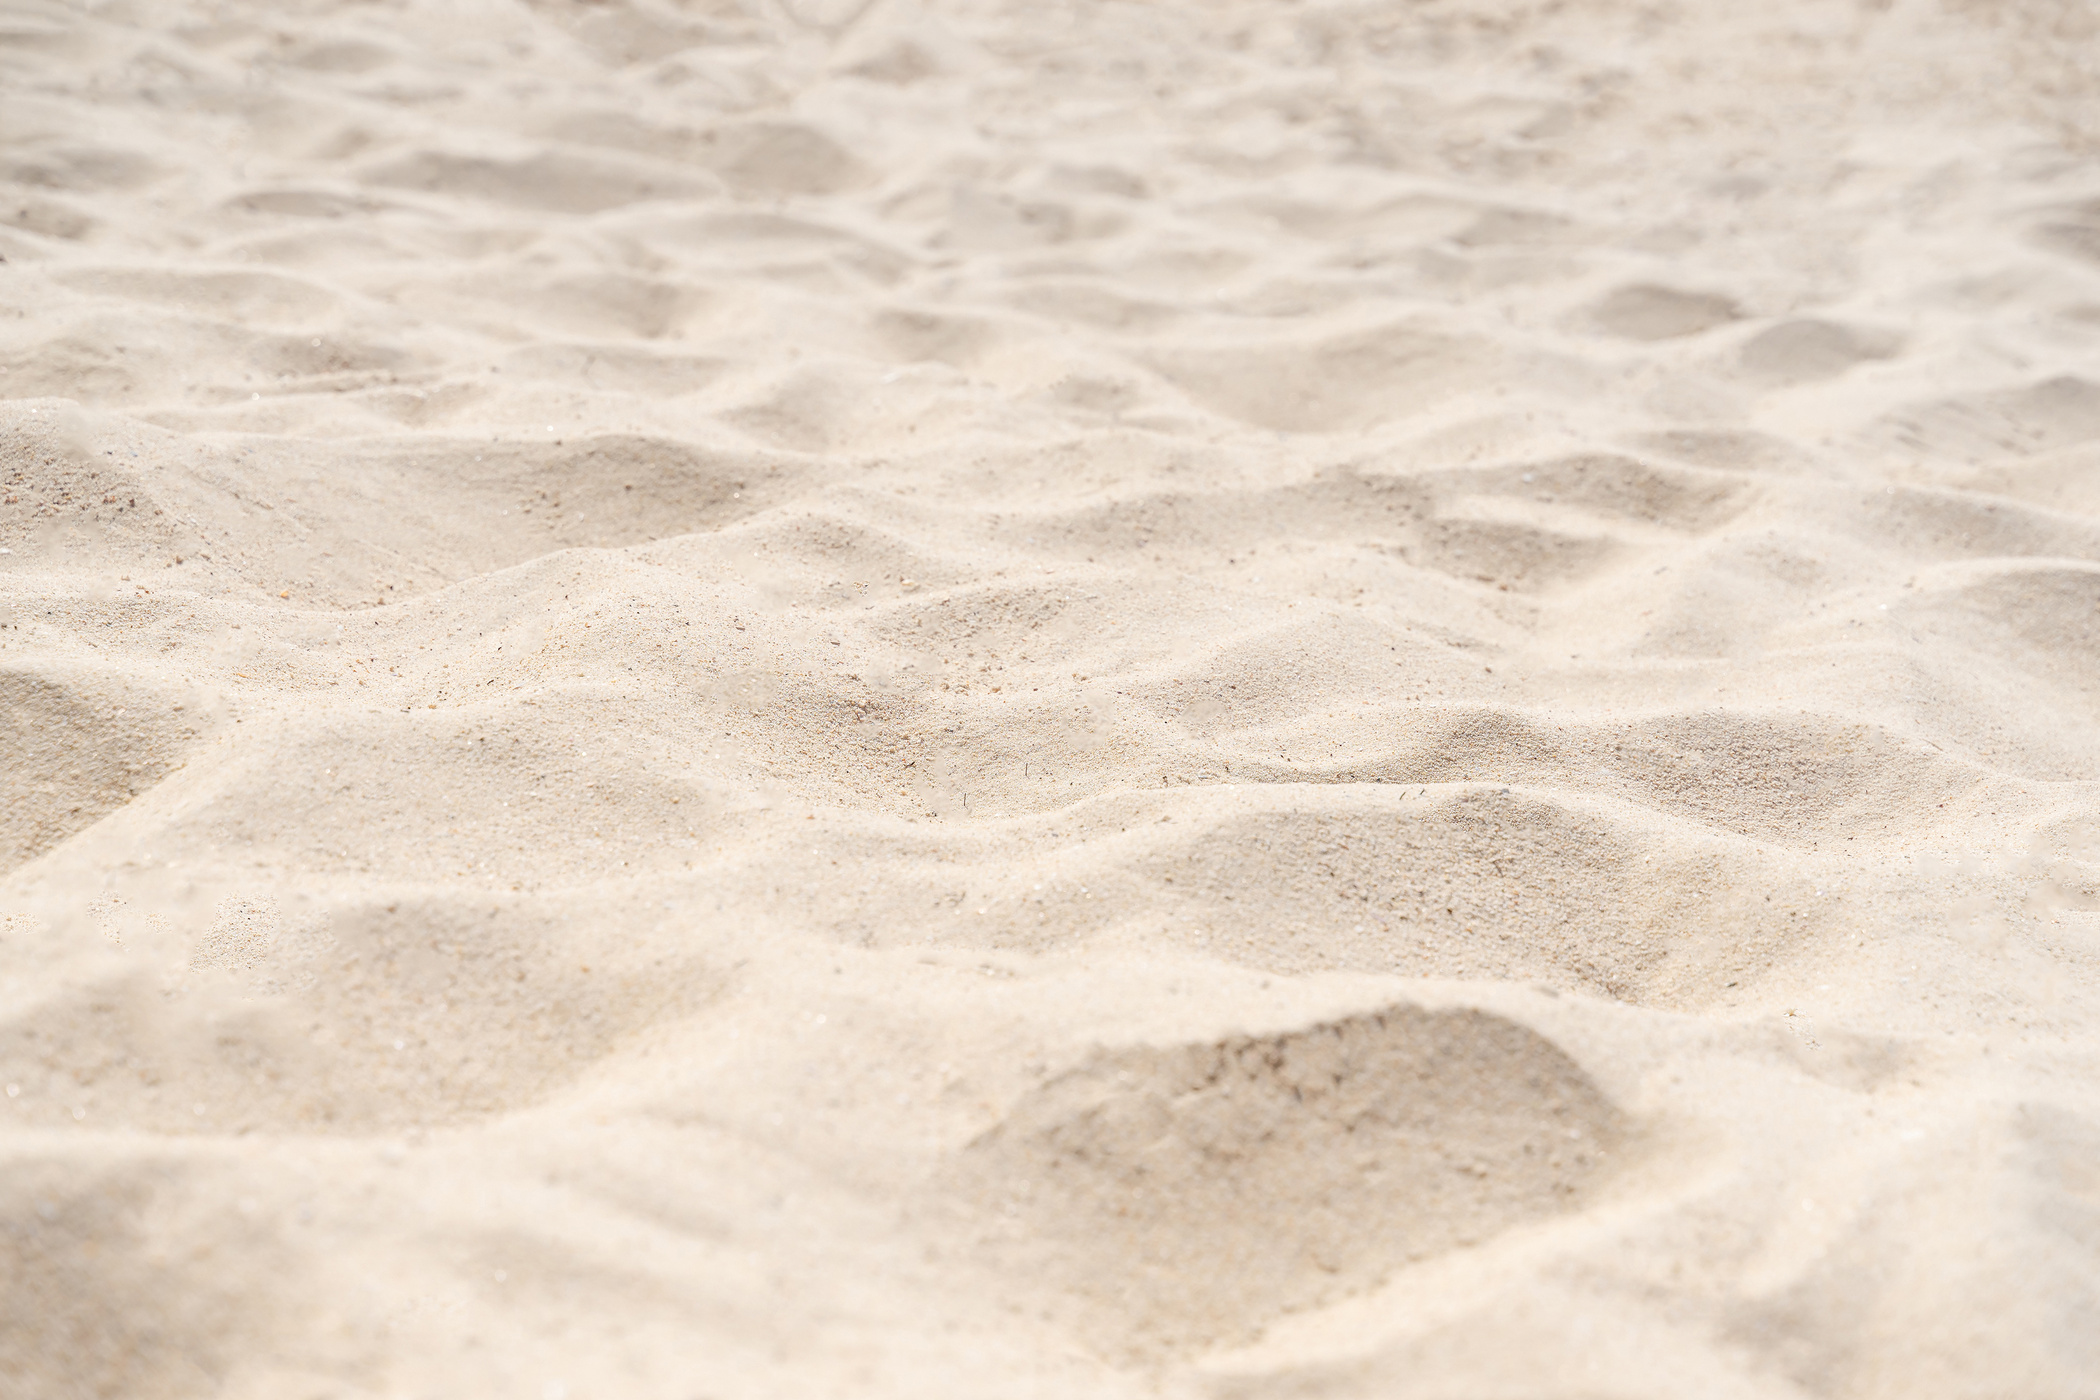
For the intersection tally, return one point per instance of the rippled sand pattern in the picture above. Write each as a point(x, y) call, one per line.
point(807, 698)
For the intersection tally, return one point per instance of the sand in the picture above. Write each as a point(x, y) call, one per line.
point(1292, 700)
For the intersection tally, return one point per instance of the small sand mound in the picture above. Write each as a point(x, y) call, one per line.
point(359, 1021)
point(1648, 312)
point(1188, 1195)
point(74, 755)
point(100, 1298)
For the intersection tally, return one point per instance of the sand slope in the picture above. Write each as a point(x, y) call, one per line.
point(1240, 701)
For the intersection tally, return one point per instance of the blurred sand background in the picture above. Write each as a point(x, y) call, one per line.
point(984, 699)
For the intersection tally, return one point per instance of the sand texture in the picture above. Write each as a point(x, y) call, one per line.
point(1285, 701)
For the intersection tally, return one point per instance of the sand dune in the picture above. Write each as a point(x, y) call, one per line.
point(726, 699)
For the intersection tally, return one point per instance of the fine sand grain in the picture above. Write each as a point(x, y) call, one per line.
point(798, 698)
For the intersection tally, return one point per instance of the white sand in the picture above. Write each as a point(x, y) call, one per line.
point(758, 700)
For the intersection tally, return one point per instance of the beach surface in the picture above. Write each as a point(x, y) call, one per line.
point(720, 701)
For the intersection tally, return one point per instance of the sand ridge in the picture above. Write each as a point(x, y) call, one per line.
point(730, 699)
